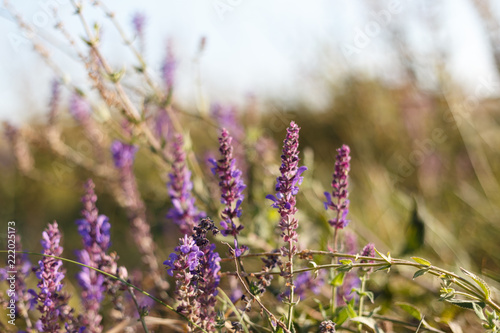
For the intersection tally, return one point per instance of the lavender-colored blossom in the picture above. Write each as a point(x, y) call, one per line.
point(287, 188)
point(50, 274)
point(23, 268)
point(351, 281)
point(95, 232)
point(368, 251)
point(123, 154)
point(184, 212)
point(337, 200)
point(195, 266)
point(138, 23)
point(79, 108)
point(306, 282)
point(231, 185)
point(168, 67)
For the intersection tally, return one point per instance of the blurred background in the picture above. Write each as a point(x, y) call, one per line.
point(411, 86)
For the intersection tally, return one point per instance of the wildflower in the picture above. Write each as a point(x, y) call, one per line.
point(138, 23)
point(195, 266)
point(264, 280)
point(51, 301)
point(351, 281)
point(287, 188)
point(231, 186)
point(123, 156)
point(337, 200)
point(23, 268)
point(168, 67)
point(368, 251)
point(95, 232)
point(79, 108)
point(184, 213)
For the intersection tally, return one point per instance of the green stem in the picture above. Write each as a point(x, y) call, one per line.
point(361, 300)
point(141, 314)
point(235, 310)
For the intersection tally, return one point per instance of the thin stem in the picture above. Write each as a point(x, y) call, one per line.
point(141, 314)
point(361, 300)
point(235, 310)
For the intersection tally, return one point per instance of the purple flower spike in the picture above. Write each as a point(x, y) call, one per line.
point(79, 108)
point(231, 185)
point(50, 274)
point(184, 212)
point(169, 66)
point(195, 266)
point(123, 154)
point(95, 232)
point(138, 22)
point(287, 188)
point(337, 200)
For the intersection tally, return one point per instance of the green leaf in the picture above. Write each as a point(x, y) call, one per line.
point(338, 279)
point(369, 322)
point(479, 311)
point(420, 272)
point(480, 282)
point(350, 308)
point(386, 258)
point(368, 294)
point(422, 261)
point(466, 304)
point(342, 316)
point(411, 310)
point(345, 261)
point(388, 267)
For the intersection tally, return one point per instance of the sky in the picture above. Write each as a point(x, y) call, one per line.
point(271, 49)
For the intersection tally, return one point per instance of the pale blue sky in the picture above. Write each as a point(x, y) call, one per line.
point(267, 48)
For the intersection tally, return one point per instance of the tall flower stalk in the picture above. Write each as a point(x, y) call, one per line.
point(338, 202)
point(232, 186)
point(195, 266)
point(95, 232)
point(52, 303)
point(286, 190)
point(123, 156)
point(184, 212)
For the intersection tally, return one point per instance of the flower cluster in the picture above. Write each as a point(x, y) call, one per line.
point(184, 212)
point(337, 200)
point(79, 108)
point(95, 232)
point(51, 301)
point(287, 188)
point(368, 251)
point(196, 267)
point(231, 185)
point(168, 67)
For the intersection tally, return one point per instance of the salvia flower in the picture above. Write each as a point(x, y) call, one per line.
point(231, 185)
point(123, 154)
point(287, 187)
point(79, 108)
point(337, 200)
point(195, 266)
point(368, 251)
point(184, 212)
point(95, 232)
point(50, 274)
point(138, 23)
point(23, 268)
point(169, 66)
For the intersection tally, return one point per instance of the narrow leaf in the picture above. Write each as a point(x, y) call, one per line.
point(480, 282)
point(338, 279)
point(411, 310)
point(479, 311)
point(420, 272)
point(466, 304)
point(370, 322)
point(421, 261)
point(383, 256)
